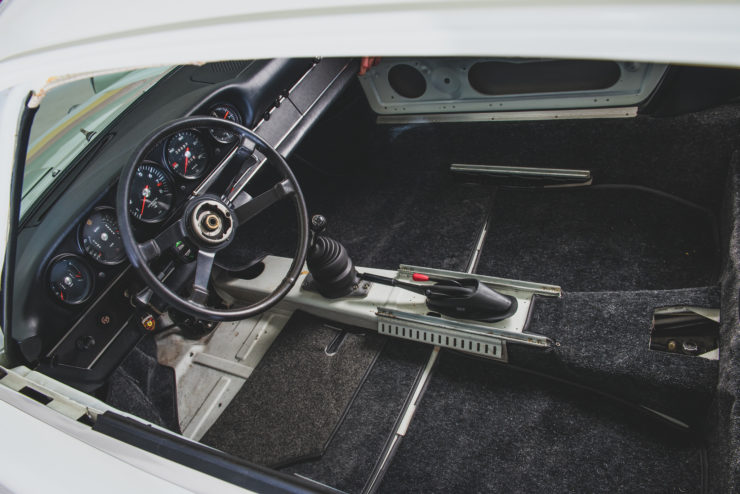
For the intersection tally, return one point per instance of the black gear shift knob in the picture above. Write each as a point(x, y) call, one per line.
point(318, 224)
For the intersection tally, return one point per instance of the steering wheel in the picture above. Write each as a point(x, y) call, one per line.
point(210, 221)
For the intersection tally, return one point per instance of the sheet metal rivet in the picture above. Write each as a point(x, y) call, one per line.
point(672, 346)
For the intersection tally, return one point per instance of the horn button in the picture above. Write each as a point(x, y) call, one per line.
point(211, 222)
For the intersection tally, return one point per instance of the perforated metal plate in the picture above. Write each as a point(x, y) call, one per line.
point(444, 87)
point(486, 346)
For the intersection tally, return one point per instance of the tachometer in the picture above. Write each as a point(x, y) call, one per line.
point(100, 237)
point(70, 279)
point(186, 153)
point(151, 194)
point(227, 112)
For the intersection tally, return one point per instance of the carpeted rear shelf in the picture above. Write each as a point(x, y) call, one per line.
point(598, 239)
point(485, 427)
point(290, 406)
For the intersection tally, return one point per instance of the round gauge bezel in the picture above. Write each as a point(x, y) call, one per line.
point(85, 265)
point(81, 243)
point(209, 152)
point(173, 188)
point(233, 109)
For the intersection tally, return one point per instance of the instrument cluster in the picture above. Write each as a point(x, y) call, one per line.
point(159, 185)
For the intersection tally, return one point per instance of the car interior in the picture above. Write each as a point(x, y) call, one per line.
point(407, 274)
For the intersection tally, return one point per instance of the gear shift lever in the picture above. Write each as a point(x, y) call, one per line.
point(333, 271)
point(334, 276)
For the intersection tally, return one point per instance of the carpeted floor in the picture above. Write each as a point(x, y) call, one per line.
point(402, 206)
point(598, 239)
point(351, 455)
point(603, 341)
point(292, 403)
point(484, 427)
point(143, 387)
point(617, 252)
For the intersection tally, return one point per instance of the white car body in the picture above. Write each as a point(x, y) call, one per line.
point(45, 43)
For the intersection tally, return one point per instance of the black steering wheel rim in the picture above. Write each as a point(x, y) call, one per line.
point(139, 260)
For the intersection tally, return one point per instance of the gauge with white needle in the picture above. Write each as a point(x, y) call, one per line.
point(100, 237)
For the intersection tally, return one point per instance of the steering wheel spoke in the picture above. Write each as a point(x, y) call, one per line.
point(203, 268)
point(151, 249)
point(239, 153)
point(256, 205)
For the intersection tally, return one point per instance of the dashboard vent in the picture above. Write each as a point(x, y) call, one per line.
point(211, 73)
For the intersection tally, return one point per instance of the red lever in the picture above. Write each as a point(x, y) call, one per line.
point(420, 277)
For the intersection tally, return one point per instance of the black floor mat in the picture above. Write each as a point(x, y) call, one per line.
point(143, 387)
point(603, 341)
point(484, 427)
point(598, 239)
point(292, 403)
point(358, 443)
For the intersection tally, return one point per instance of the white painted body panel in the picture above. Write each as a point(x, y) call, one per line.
point(43, 42)
point(44, 451)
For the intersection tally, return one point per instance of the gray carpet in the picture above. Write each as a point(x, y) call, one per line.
point(292, 403)
point(724, 450)
point(351, 455)
point(604, 342)
point(484, 427)
point(598, 239)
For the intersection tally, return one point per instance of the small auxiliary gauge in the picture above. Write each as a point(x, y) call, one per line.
point(150, 198)
point(70, 279)
point(186, 154)
point(226, 112)
point(100, 237)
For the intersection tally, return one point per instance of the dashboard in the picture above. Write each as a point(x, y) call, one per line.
point(77, 305)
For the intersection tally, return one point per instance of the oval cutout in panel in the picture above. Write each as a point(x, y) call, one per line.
point(407, 81)
point(500, 78)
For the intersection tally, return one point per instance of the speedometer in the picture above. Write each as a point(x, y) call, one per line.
point(150, 198)
point(101, 238)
